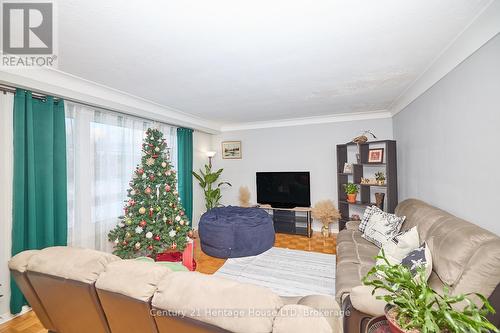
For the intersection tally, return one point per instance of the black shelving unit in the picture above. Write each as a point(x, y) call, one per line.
point(389, 167)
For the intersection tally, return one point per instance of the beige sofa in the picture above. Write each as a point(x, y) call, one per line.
point(466, 258)
point(81, 290)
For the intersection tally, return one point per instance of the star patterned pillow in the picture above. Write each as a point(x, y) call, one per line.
point(420, 257)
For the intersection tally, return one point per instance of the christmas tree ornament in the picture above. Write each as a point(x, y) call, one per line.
point(132, 192)
point(177, 218)
point(147, 190)
point(125, 243)
point(174, 246)
point(172, 233)
point(163, 164)
point(137, 246)
point(168, 173)
point(151, 212)
point(140, 171)
point(117, 241)
point(127, 234)
point(157, 238)
point(121, 224)
point(138, 230)
point(150, 247)
point(142, 210)
point(142, 224)
point(149, 235)
point(181, 222)
point(157, 149)
point(167, 188)
point(151, 177)
point(178, 228)
point(164, 218)
point(181, 213)
point(144, 176)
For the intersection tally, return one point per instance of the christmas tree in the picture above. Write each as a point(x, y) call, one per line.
point(154, 220)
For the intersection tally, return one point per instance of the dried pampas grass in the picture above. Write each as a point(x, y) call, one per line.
point(244, 197)
point(326, 212)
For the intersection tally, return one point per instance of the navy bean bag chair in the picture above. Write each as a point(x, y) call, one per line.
point(234, 232)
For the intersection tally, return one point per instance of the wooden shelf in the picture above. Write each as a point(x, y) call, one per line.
point(358, 203)
point(372, 185)
point(362, 169)
point(345, 174)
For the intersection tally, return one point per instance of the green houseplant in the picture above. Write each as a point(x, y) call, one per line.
point(380, 177)
point(413, 306)
point(212, 192)
point(351, 190)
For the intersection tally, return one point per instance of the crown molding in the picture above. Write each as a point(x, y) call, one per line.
point(333, 118)
point(482, 28)
point(71, 87)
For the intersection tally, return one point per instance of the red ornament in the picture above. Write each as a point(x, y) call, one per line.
point(151, 212)
point(157, 238)
point(140, 171)
point(147, 190)
point(167, 188)
point(142, 224)
point(150, 248)
point(152, 177)
point(181, 213)
point(174, 246)
point(155, 156)
point(131, 202)
point(124, 243)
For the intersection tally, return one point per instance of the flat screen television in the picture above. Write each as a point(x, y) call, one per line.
point(284, 189)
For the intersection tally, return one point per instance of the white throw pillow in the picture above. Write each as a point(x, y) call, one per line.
point(399, 246)
point(363, 300)
point(381, 227)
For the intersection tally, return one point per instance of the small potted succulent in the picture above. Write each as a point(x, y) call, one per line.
point(351, 190)
point(414, 307)
point(380, 177)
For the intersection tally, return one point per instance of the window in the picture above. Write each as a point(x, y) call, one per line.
point(103, 149)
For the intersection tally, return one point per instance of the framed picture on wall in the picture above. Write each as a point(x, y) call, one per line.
point(376, 155)
point(231, 150)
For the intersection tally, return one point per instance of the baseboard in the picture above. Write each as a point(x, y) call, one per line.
point(8, 316)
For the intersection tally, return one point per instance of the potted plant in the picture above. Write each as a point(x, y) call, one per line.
point(207, 180)
point(326, 212)
point(380, 177)
point(351, 190)
point(413, 306)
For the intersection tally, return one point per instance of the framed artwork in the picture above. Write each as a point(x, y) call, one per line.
point(376, 155)
point(231, 150)
point(347, 168)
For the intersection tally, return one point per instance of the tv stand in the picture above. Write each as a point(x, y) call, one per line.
point(295, 221)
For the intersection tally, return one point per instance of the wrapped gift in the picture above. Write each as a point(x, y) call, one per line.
point(188, 256)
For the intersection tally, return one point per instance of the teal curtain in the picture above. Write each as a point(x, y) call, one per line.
point(39, 193)
point(185, 172)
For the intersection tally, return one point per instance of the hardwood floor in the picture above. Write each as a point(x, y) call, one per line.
point(28, 323)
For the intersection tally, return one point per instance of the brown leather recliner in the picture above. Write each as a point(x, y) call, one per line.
point(82, 290)
point(125, 289)
point(63, 278)
point(18, 266)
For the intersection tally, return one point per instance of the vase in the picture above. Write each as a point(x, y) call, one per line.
point(325, 230)
point(379, 200)
point(351, 198)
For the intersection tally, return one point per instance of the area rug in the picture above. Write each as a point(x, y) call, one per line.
point(287, 272)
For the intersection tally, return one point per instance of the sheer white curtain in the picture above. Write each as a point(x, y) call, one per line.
point(103, 149)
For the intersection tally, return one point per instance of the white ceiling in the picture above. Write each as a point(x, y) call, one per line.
point(244, 61)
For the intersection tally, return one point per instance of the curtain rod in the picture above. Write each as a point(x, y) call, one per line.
point(11, 89)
